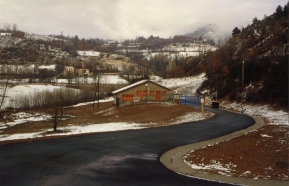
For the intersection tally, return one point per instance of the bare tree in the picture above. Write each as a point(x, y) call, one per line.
point(7, 27)
point(15, 27)
point(4, 82)
point(59, 105)
point(4, 91)
point(96, 90)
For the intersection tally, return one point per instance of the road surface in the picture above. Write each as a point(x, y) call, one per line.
point(114, 158)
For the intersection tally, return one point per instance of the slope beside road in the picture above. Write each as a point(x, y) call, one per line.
point(174, 160)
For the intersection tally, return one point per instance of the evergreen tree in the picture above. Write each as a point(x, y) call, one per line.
point(255, 20)
point(285, 10)
point(279, 11)
point(236, 31)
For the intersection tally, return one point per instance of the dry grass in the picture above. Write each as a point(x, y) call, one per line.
point(264, 153)
point(158, 114)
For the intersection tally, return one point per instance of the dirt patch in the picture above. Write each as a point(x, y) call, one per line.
point(150, 115)
point(261, 154)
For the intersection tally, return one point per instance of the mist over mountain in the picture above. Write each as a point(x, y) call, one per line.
point(209, 32)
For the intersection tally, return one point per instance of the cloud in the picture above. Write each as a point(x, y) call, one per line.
point(122, 19)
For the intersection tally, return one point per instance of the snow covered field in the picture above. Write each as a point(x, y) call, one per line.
point(14, 92)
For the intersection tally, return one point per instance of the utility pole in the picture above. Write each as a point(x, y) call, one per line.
point(243, 62)
point(98, 92)
point(147, 92)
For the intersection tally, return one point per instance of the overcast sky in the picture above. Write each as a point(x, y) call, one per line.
point(127, 19)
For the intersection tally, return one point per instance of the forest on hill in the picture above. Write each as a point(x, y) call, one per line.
point(262, 47)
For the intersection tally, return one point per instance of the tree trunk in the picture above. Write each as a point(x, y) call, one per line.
point(4, 92)
point(94, 95)
point(98, 93)
point(54, 127)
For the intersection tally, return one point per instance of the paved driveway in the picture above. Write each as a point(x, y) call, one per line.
point(115, 158)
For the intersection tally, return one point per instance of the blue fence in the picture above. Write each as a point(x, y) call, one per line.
point(191, 100)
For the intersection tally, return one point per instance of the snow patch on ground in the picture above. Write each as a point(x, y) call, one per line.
point(72, 129)
point(91, 102)
point(195, 116)
point(273, 117)
point(23, 117)
point(214, 165)
point(87, 128)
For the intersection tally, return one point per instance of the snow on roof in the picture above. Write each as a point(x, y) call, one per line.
point(136, 84)
point(130, 86)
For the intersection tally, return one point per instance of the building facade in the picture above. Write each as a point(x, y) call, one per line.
point(82, 72)
point(68, 70)
point(141, 91)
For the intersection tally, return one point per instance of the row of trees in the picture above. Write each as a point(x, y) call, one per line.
point(8, 27)
point(57, 101)
point(279, 13)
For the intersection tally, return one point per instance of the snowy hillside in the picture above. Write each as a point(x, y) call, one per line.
point(209, 32)
point(185, 85)
point(40, 37)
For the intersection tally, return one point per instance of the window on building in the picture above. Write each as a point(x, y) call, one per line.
point(144, 93)
point(152, 93)
point(164, 93)
point(127, 97)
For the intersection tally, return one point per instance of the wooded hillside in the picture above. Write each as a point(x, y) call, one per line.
point(263, 47)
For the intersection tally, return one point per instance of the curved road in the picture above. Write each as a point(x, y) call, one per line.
point(115, 158)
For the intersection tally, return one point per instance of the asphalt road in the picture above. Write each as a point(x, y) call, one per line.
point(114, 158)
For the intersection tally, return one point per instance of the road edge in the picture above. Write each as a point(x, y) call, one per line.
point(173, 160)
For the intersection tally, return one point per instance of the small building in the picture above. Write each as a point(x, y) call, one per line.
point(82, 72)
point(141, 91)
point(256, 34)
point(68, 70)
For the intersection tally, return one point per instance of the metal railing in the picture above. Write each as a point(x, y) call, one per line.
point(191, 100)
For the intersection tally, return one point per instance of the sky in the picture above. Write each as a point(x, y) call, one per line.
point(128, 19)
